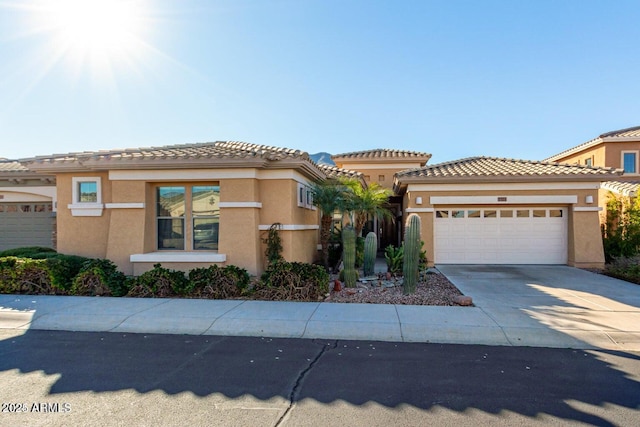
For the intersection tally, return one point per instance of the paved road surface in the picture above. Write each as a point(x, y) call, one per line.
point(89, 378)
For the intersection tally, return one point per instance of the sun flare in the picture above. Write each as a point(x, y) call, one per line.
point(90, 27)
point(95, 35)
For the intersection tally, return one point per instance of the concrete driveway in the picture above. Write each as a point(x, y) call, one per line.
point(553, 306)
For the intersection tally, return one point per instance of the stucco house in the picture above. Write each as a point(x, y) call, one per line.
point(185, 206)
point(27, 207)
point(615, 149)
point(484, 210)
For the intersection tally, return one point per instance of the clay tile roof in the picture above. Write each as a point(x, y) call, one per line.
point(493, 167)
point(382, 153)
point(335, 172)
point(626, 188)
point(11, 166)
point(632, 133)
point(219, 149)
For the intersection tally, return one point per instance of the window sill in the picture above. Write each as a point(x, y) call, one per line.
point(86, 209)
point(207, 257)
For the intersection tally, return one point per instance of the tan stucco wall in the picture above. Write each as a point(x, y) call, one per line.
point(127, 226)
point(373, 172)
point(584, 241)
point(85, 236)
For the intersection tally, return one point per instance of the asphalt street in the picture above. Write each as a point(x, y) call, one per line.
point(97, 378)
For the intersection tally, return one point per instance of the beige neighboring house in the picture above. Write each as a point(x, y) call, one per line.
point(185, 206)
point(484, 210)
point(617, 149)
point(379, 166)
point(27, 207)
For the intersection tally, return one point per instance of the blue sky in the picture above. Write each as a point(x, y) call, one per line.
point(521, 79)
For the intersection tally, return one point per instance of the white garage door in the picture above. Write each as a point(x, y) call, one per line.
point(25, 224)
point(523, 235)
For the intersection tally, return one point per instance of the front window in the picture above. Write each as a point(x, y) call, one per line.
point(629, 162)
point(170, 212)
point(193, 228)
point(205, 214)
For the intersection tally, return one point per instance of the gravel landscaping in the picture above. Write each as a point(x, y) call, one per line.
point(433, 289)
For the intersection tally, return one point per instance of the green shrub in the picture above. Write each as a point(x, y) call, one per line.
point(28, 252)
point(621, 231)
point(64, 269)
point(218, 282)
point(626, 268)
point(293, 281)
point(159, 282)
point(25, 276)
point(395, 258)
point(100, 277)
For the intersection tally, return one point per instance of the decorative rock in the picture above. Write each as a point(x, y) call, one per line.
point(337, 285)
point(463, 300)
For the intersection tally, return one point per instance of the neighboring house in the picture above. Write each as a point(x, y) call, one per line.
point(379, 166)
point(184, 206)
point(27, 207)
point(484, 210)
point(616, 149)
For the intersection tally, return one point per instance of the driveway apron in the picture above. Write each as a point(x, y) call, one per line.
point(553, 306)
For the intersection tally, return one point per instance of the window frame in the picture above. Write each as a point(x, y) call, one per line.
point(188, 218)
point(622, 156)
point(80, 208)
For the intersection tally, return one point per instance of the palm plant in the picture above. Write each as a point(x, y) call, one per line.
point(328, 196)
point(362, 202)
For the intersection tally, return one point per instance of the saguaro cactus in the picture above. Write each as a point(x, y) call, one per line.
point(370, 250)
point(411, 253)
point(349, 256)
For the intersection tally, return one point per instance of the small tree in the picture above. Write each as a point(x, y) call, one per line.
point(621, 231)
point(328, 196)
point(362, 202)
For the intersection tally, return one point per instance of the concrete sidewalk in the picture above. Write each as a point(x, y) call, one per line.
point(513, 308)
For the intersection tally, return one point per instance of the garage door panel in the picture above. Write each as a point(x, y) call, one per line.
point(25, 224)
point(524, 239)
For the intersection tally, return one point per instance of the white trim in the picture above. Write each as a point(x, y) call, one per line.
point(257, 205)
point(319, 247)
point(86, 209)
point(300, 194)
point(505, 186)
point(124, 205)
point(178, 257)
point(290, 227)
point(494, 200)
point(214, 174)
point(418, 210)
point(587, 209)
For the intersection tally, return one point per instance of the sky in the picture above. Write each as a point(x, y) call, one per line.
point(512, 78)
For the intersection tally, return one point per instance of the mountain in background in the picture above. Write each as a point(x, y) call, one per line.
point(322, 158)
